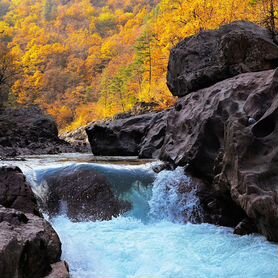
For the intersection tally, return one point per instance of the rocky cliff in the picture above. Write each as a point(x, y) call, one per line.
point(223, 128)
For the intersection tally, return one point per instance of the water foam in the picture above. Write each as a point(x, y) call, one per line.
point(127, 248)
point(174, 198)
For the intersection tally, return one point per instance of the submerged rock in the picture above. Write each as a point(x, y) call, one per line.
point(82, 194)
point(29, 247)
point(201, 61)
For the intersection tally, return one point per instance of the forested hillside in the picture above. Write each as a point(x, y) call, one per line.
point(83, 60)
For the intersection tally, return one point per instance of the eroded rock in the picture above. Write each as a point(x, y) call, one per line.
point(209, 57)
point(195, 131)
point(211, 132)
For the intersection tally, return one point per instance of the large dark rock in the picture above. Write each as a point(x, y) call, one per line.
point(15, 193)
point(226, 134)
point(126, 137)
point(153, 139)
point(201, 61)
point(196, 127)
point(29, 247)
point(249, 167)
point(27, 131)
point(82, 194)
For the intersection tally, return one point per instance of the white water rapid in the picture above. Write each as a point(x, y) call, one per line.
point(150, 241)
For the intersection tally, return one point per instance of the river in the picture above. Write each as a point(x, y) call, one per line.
point(150, 241)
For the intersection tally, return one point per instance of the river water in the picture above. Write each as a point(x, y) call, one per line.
point(149, 241)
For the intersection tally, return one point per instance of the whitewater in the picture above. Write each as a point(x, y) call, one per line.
point(150, 241)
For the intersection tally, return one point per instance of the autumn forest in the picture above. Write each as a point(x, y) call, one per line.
point(86, 60)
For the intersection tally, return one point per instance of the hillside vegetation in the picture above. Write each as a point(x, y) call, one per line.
point(83, 60)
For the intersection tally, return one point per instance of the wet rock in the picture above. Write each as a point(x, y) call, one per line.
point(225, 131)
point(162, 166)
point(217, 209)
point(209, 57)
point(29, 247)
point(15, 193)
point(245, 227)
point(82, 194)
point(59, 270)
point(215, 121)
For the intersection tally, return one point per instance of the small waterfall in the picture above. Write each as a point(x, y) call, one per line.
point(169, 195)
point(150, 240)
point(174, 198)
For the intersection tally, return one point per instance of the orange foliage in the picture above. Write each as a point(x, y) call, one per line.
point(85, 60)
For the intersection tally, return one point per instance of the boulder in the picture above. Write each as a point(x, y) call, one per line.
point(82, 194)
point(197, 125)
point(249, 166)
point(211, 56)
point(15, 193)
point(125, 137)
point(27, 131)
point(226, 134)
point(153, 139)
point(29, 247)
point(59, 270)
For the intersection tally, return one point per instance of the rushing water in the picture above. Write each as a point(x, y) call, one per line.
point(150, 241)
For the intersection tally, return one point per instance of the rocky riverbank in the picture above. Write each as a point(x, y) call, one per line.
point(28, 131)
point(222, 129)
point(29, 246)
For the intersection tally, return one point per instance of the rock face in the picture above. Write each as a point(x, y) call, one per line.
point(250, 169)
point(225, 127)
point(15, 193)
point(83, 194)
point(226, 135)
point(29, 247)
point(197, 125)
point(201, 61)
point(126, 137)
point(28, 131)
